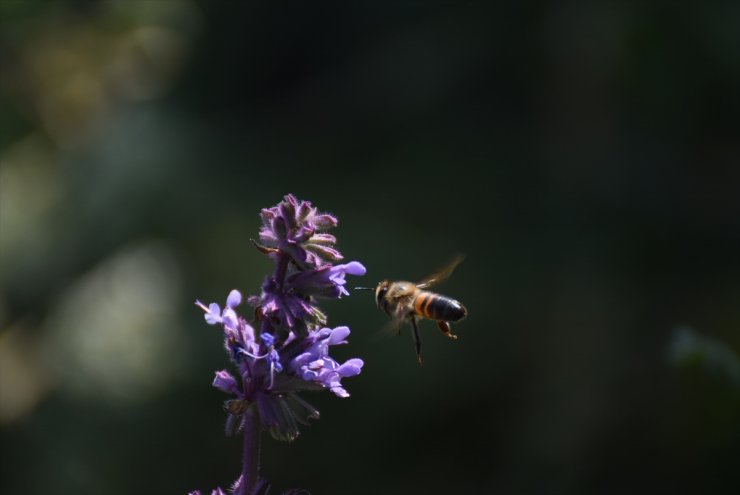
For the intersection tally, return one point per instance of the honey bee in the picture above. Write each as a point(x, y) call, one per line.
point(409, 301)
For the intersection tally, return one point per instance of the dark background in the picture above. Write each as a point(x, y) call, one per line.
point(585, 157)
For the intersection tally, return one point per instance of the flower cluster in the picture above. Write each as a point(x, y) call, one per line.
point(293, 235)
point(285, 349)
point(273, 372)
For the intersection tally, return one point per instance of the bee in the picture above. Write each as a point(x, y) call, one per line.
point(410, 301)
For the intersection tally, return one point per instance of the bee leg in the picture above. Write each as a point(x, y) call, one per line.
point(417, 340)
point(445, 327)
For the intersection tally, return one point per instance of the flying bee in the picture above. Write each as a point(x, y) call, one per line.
point(409, 301)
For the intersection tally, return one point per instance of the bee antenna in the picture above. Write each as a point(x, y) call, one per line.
point(364, 288)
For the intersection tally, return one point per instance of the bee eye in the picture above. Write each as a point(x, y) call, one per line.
point(381, 294)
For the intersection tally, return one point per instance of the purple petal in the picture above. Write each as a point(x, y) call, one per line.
point(351, 368)
point(338, 335)
point(304, 358)
point(268, 339)
point(340, 392)
point(355, 268)
point(234, 299)
point(309, 375)
point(330, 363)
point(229, 318)
point(246, 334)
point(316, 365)
point(337, 274)
point(213, 315)
point(275, 359)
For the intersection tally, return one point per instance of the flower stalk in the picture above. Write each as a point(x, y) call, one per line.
point(251, 455)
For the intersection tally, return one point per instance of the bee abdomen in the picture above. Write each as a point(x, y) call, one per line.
point(439, 307)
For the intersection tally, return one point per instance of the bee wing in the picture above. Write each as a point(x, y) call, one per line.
point(390, 328)
point(398, 318)
point(441, 274)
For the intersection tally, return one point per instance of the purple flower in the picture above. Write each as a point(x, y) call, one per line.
point(306, 359)
point(327, 281)
point(289, 351)
point(286, 352)
point(228, 317)
point(315, 364)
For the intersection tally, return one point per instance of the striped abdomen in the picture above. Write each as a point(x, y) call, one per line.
point(438, 307)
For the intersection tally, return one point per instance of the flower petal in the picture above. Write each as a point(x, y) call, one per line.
point(351, 368)
point(340, 392)
point(338, 335)
point(229, 318)
point(213, 315)
point(268, 339)
point(234, 299)
point(355, 268)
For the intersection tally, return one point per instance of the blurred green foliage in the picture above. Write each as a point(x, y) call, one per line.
point(585, 157)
